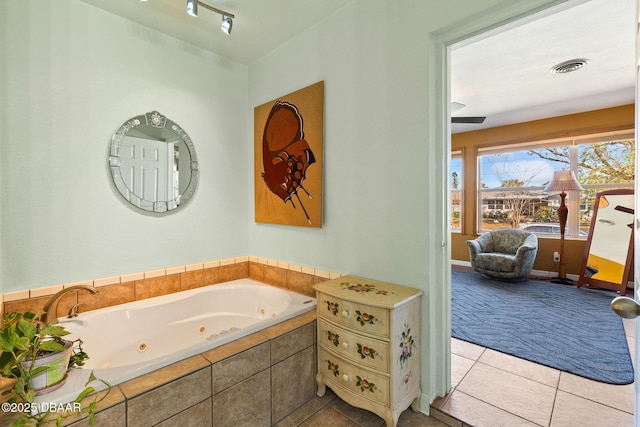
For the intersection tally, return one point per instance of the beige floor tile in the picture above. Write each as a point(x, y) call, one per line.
point(520, 396)
point(629, 327)
point(360, 416)
point(328, 417)
point(575, 411)
point(617, 396)
point(480, 414)
point(631, 342)
point(466, 349)
point(524, 368)
point(460, 366)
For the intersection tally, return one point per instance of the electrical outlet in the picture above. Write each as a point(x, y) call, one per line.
point(556, 257)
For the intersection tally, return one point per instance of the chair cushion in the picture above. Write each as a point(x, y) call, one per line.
point(507, 240)
point(493, 261)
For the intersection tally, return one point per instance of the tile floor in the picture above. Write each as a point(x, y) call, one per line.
point(494, 389)
point(330, 410)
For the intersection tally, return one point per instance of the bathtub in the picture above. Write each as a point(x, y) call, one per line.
point(132, 339)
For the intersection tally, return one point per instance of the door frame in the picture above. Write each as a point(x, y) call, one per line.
point(436, 379)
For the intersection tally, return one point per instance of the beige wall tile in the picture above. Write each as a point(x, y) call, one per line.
point(46, 291)
point(199, 278)
point(175, 270)
point(230, 272)
point(256, 271)
point(162, 376)
point(193, 267)
point(275, 276)
point(148, 288)
point(292, 342)
point(199, 415)
point(107, 296)
point(161, 403)
point(288, 395)
point(16, 296)
point(227, 261)
point(211, 264)
point(301, 283)
point(239, 367)
point(155, 273)
point(105, 281)
point(36, 304)
point(245, 404)
point(308, 270)
point(234, 347)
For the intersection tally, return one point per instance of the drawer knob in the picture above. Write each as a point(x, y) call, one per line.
point(345, 377)
point(345, 345)
point(345, 313)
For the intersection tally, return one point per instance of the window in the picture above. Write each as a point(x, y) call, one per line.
point(455, 187)
point(512, 179)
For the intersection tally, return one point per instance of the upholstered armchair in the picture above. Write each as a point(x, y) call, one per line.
point(505, 253)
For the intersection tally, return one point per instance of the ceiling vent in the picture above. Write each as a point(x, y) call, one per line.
point(569, 66)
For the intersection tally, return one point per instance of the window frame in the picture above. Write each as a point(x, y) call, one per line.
point(573, 199)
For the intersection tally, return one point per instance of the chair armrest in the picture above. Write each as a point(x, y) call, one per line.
point(474, 247)
point(524, 249)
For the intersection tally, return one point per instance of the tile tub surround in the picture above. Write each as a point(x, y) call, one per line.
point(247, 382)
point(132, 287)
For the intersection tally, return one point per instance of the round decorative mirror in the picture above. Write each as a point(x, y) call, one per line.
point(153, 163)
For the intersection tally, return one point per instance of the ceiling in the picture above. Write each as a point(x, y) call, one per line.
point(259, 26)
point(504, 76)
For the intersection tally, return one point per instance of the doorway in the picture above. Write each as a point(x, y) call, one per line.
point(465, 35)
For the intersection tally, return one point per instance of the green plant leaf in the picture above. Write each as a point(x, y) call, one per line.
point(84, 393)
point(22, 343)
point(54, 331)
point(8, 338)
point(52, 346)
point(38, 370)
point(27, 328)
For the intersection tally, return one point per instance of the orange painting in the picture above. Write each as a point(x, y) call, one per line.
point(288, 140)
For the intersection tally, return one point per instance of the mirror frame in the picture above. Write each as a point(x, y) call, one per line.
point(620, 287)
point(157, 120)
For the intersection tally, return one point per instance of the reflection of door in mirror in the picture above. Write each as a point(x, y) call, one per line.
point(149, 168)
point(609, 248)
point(153, 163)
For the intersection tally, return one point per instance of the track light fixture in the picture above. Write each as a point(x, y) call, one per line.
point(227, 18)
point(227, 23)
point(192, 7)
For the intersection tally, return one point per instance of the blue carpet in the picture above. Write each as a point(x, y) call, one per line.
point(573, 330)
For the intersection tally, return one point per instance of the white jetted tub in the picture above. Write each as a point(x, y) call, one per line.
point(132, 339)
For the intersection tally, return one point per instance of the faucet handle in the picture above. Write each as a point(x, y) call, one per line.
point(73, 311)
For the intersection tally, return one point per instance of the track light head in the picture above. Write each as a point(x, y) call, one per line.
point(227, 23)
point(192, 7)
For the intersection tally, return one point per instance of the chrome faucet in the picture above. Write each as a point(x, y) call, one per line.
point(51, 307)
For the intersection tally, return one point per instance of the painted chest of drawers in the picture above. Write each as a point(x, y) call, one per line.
point(368, 344)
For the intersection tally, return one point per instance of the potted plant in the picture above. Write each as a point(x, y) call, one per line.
point(38, 358)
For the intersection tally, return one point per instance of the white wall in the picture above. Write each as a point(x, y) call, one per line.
point(71, 75)
point(380, 219)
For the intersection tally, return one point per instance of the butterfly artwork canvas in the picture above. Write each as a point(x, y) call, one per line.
point(288, 158)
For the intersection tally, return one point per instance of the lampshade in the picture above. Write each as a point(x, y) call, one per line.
point(563, 181)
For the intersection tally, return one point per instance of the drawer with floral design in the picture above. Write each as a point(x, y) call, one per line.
point(363, 350)
point(362, 382)
point(369, 320)
point(368, 344)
